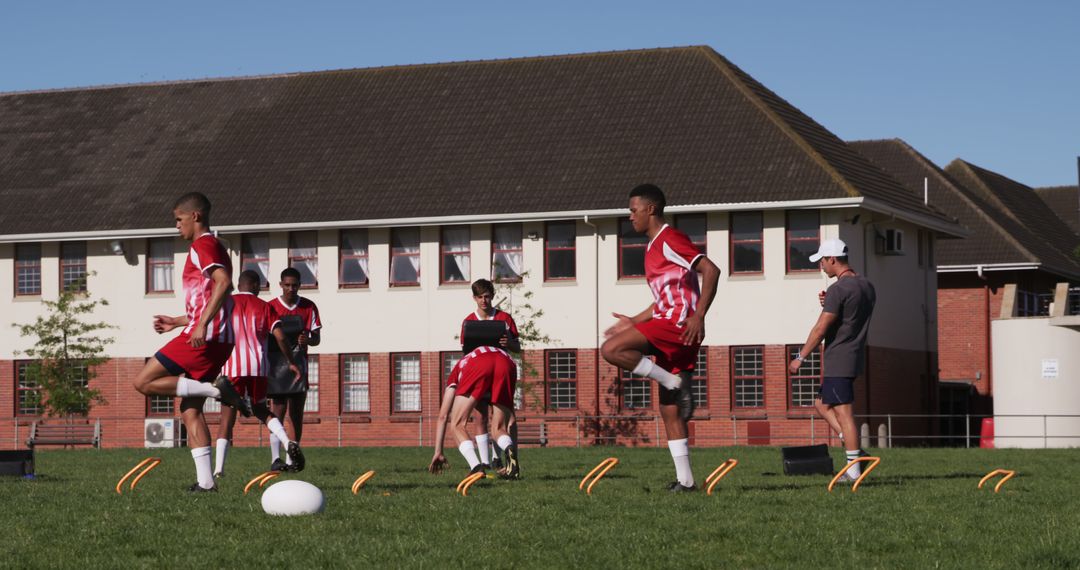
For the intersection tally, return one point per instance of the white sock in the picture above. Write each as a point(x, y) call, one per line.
point(856, 469)
point(275, 446)
point(483, 446)
point(649, 369)
point(680, 452)
point(505, 442)
point(277, 433)
point(186, 387)
point(219, 459)
point(468, 450)
point(201, 455)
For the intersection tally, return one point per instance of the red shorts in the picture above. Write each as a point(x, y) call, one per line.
point(253, 387)
point(203, 363)
point(490, 372)
point(667, 346)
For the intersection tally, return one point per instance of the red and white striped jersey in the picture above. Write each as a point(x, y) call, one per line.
point(305, 309)
point(669, 262)
point(206, 253)
point(464, 362)
point(252, 321)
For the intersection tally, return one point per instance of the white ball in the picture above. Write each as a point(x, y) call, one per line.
point(290, 498)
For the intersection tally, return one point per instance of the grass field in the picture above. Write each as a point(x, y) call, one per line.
point(919, 509)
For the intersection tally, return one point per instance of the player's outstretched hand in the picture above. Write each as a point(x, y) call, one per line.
point(164, 324)
point(693, 330)
point(438, 464)
point(622, 323)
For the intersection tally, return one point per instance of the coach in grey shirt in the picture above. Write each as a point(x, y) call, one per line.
point(843, 323)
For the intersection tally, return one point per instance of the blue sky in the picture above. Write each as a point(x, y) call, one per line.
point(996, 83)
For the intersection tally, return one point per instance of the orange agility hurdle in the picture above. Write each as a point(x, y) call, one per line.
point(1008, 474)
point(361, 480)
point(603, 468)
point(149, 463)
point(261, 479)
point(463, 486)
point(719, 474)
point(873, 463)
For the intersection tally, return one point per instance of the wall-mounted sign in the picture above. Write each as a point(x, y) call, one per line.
point(1050, 368)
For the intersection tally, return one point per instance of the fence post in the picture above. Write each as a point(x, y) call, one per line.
point(812, 434)
point(656, 423)
point(339, 431)
point(1044, 431)
point(420, 431)
point(967, 430)
point(889, 420)
point(577, 430)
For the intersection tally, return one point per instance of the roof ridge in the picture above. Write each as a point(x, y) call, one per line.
point(377, 68)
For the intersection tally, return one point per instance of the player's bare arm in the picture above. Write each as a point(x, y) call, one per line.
point(825, 320)
point(283, 346)
point(438, 460)
point(165, 323)
point(222, 285)
point(694, 326)
point(623, 322)
point(312, 338)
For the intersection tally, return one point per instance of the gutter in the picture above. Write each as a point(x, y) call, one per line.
point(980, 268)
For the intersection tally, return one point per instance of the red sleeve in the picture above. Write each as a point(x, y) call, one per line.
point(461, 338)
point(209, 253)
point(316, 322)
point(273, 315)
point(510, 323)
point(678, 249)
point(454, 374)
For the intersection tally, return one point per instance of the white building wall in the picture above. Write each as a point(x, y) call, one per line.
point(1019, 347)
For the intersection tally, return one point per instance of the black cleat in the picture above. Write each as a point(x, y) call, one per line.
point(230, 397)
point(485, 466)
point(279, 465)
point(297, 457)
point(496, 463)
point(512, 471)
point(478, 469)
point(196, 488)
point(677, 487)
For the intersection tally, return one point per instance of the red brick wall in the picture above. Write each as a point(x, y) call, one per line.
point(963, 335)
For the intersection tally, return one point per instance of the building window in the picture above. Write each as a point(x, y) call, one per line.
point(405, 256)
point(636, 391)
point(803, 237)
point(449, 361)
point(73, 266)
point(311, 404)
point(211, 406)
point(160, 406)
point(507, 263)
point(562, 379)
point(353, 264)
point(406, 382)
point(694, 226)
point(560, 260)
point(747, 251)
point(28, 269)
point(699, 380)
point(631, 250)
point(27, 392)
point(304, 257)
point(355, 383)
point(748, 377)
point(804, 384)
point(160, 259)
point(454, 254)
point(255, 255)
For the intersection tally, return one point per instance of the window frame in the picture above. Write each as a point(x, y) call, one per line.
point(20, 266)
point(395, 382)
point(701, 375)
point(341, 385)
point(151, 264)
point(791, 351)
point(63, 266)
point(732, 242)
point(548, 381)
point(419, 265)
point(520, 251)
point(788, 241)
point(625, 377)
point(16, 366)
point(548, 249)
point(703, 246)
point(315, 257)
point(244, 260)
point(443, 252)
point(621, 247)
point(736, 378)
point(444, 372)
point(342, 257)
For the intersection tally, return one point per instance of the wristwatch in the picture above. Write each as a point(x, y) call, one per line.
point(799, 357)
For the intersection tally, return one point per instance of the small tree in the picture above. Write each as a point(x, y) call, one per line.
point(65, 352)
point(515, 299)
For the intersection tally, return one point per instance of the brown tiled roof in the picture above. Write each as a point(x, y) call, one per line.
point(494, 137)
point(1063, 201)
point(995, 236)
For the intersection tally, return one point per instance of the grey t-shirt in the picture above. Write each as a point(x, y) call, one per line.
point(851, 299)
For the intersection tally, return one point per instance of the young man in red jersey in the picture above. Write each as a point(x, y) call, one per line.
point(485, 370)
point(672, 328)
point(253, 321)
point(483, 292)
point(188, 364)
point(299, 320)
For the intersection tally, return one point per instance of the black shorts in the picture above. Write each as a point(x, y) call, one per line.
point(837, 390)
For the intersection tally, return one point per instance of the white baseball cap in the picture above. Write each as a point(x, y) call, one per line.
point(830, 248)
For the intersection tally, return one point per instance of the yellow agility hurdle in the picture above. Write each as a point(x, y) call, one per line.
point(719, 474)
point(873, 463)
point(261, 479)
point(603, 468)
point(361, 480)
point(1008, 474)
point(149, 463)
point(463, 486)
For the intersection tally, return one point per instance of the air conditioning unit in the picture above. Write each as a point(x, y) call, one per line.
point(891, 242)
point(160, 432)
